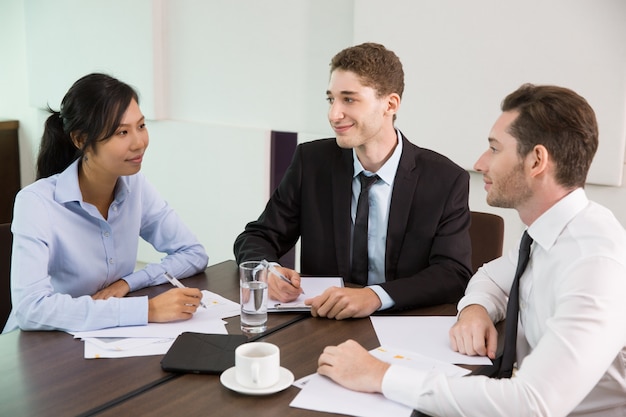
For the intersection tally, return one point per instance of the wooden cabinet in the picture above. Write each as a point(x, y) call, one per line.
point(9, 168)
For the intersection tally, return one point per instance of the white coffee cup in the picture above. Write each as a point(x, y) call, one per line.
point(257, 364)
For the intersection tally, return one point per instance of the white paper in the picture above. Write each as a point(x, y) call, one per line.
point(96, 348)
point(322, 394)
point(205, 320)
point(120, 344)
point(218, 306)
point(312, 287)
point(197, 324)
point(417, 361)
point(427, 335)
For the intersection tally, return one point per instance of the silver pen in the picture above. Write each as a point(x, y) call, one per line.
point(276, 272)
point(175, 282)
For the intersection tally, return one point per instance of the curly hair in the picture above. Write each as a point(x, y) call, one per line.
point(376, 66)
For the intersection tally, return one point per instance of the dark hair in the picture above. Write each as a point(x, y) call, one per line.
point(560, 120)
point(376, 66)
point(91, 109)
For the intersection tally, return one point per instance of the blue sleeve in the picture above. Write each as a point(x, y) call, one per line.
point(165, 231)
point(39, 301)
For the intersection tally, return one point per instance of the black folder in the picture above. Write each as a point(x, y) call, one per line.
point(202, 353)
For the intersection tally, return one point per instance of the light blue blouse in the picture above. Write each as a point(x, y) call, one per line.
point(64, 251)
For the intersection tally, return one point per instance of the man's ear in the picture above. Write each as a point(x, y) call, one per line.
point(393, 103)
point(78, 140)
point(538, 160)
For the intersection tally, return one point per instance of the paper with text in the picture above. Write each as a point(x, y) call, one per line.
point(205, 320)
point(322, 394)
point(312, 286)
point(96, 348)
point(427, 335)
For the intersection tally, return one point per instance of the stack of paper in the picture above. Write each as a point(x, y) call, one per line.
point(322, 394)
point(415, 342)
point(427, 335)
point(156, 338)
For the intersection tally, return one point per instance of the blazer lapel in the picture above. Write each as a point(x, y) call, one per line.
point(402, 195)
point(341, 200)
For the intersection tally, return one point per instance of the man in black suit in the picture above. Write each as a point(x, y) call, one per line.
point(418, 244)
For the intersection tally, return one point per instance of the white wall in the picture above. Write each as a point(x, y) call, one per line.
point(13, 84)
point(226, 72)
point(465, 56)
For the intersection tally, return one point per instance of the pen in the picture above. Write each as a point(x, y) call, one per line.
point(292, 307)
point(175, 282)
point(275, 271)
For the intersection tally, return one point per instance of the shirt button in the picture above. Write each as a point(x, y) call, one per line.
point(106, 234)
point(114, 208)
point(111, 261)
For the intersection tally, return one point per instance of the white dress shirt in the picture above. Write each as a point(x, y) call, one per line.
point(572, 354)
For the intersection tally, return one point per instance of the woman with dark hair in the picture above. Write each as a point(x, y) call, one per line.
point(76, 229)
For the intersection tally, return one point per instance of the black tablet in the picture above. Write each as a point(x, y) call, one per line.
point(202, 353)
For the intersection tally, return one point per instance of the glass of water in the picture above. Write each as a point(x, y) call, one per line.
point(253, 296)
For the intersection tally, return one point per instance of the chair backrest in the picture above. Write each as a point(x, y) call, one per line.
point(6, 243)
point(487, 235)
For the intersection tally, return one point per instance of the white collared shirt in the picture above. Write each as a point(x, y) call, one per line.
point(573, 325)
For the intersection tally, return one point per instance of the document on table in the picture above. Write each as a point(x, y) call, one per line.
point(427, 335)
point(152, 339)
point(322, 394)
point(205, 320)
point(312, 286)
point(156, 338)
point(96, 348)
point(218, 306)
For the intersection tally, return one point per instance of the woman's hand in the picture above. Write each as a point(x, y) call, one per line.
point(118, 289)
point(175, 304)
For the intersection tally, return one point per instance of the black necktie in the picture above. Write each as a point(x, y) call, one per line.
point(359, 237)
point(512, 311)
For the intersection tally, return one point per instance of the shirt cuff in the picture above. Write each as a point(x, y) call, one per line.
point(138, 280)
point(385, 300)
point(133, 311)
point(403, 385)
point(485, 302)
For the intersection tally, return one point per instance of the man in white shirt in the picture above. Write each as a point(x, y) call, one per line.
point(571, 348)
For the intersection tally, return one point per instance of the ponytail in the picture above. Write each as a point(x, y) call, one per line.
point(56, 151)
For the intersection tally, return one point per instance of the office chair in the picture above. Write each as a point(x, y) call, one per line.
point(487, 236)
point(6, 243)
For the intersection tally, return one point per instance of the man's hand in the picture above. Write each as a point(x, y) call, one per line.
point(342, 303)
point(118, 289)
point(350, 365)
point(175, 304)
point(281, 290)
point(474, 333)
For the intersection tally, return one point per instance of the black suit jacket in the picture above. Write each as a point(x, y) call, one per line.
point(428, 253)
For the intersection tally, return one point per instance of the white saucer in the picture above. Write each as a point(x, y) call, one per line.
point(229, 381)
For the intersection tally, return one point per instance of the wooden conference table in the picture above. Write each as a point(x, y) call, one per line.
point(44, 373)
